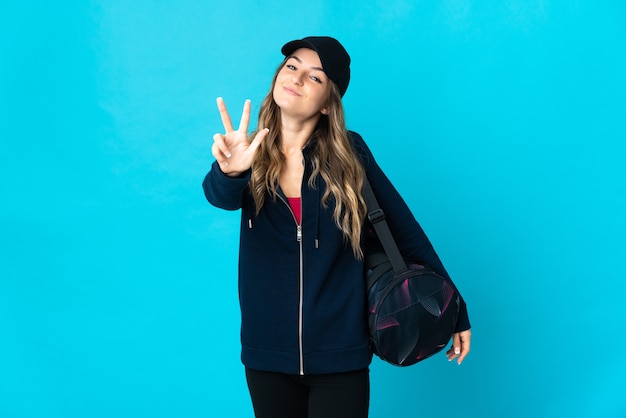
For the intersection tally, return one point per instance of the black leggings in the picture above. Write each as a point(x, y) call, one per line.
point(340, 395)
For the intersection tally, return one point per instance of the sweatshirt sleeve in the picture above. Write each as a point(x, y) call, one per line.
point(408, 234)
point(223, 191)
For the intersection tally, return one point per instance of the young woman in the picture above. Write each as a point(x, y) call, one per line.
point(298, 181)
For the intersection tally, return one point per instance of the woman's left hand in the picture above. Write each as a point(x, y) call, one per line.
point(460, 346)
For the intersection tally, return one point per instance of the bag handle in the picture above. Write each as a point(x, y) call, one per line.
point(377, 217)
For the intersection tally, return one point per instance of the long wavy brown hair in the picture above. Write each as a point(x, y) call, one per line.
point(333, 157)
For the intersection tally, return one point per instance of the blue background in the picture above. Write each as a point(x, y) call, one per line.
point(503, 123)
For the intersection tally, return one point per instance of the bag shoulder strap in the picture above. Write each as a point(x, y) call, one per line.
point(377, 217)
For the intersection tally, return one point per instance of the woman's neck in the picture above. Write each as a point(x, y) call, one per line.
point(296, 133)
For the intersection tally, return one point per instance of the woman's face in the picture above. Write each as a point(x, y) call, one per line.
point(302, 88)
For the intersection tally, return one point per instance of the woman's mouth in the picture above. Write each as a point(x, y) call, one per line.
point(291, 91)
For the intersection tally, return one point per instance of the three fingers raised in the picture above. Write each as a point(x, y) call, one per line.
point(233, 150)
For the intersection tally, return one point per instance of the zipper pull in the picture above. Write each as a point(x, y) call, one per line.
point(299, 233)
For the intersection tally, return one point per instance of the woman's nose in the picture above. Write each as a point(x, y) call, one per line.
point(296, 79)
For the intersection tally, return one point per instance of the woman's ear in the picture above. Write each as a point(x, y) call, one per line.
point(325, 110)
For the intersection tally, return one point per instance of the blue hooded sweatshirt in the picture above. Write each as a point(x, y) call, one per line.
point(301, 289)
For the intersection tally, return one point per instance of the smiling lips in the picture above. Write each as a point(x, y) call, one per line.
point(291, 91)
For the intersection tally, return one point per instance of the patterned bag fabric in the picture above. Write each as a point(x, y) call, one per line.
point(411, 314)
point(412, 311)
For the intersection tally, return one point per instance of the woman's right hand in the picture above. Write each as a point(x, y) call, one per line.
point(233, 150)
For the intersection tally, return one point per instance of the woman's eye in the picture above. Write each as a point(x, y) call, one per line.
point(291, 67)
point(317, 80)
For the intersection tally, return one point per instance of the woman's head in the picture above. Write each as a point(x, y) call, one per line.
point(301, 88)
point(333, 56)
point(324, 59)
